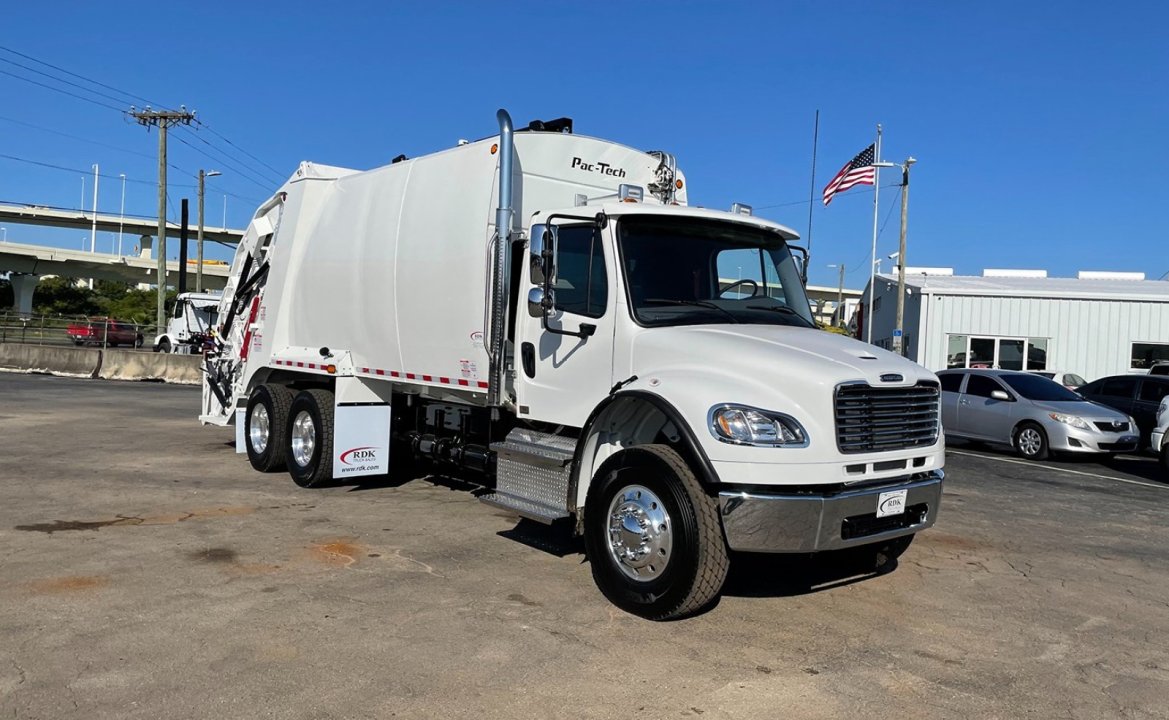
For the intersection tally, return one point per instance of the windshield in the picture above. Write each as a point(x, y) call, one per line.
point(1035, 387)
point(205, 315)
point(694, 272)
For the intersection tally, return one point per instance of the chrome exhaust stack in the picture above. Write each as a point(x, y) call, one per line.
point(503, 235)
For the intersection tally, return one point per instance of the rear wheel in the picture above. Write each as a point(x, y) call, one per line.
point(652, 535)
point(309, 443)
point(265, 424)
point(1031, 442)
point(138, 340)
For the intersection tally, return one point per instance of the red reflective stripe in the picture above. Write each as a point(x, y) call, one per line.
point(300, 364)
point(482, 384)
point(381, 372)
point(395, 373)
point(409, 376)
point(463, 382)
point(243, 353)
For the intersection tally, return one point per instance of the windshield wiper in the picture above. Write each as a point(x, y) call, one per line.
point(773, 308)
point(694, 303)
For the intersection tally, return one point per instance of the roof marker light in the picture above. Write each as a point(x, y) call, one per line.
point(740, 209)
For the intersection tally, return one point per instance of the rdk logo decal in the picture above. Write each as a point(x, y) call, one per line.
point(891, 506)
point(359, 455)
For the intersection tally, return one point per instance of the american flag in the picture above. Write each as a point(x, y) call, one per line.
point(858, 171)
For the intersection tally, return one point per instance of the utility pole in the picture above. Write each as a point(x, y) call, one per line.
point(163, 120)
point(840, 295)
point(199, 262)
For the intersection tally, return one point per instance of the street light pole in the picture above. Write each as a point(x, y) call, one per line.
point(121, 213)
point(840, 294)
point(203, 175)
point(899, 340)
point(93, 228)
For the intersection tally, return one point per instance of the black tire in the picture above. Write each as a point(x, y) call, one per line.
point(696, 561)
point(78, 343)
point(1030, 442)
point(317, 470)
point(138, 341)
point(164, 345)
point(275, 401)
point(1165, 459)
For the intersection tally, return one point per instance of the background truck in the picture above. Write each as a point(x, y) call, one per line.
point(104, 331)
point(191, 322)
point(546, 310)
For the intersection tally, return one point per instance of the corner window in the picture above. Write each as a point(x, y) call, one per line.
point(1143, 355)
point(582, 286)
point(951, 382)
point(981, 386)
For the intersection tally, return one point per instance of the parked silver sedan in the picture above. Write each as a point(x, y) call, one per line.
point(1032, 414)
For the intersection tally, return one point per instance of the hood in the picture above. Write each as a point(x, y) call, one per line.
point(774, 354)
point(1081, 408)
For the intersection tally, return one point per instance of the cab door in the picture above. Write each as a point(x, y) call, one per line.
point(564, 356)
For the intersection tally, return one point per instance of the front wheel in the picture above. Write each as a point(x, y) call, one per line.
point(164, 345)
point(1165, 459)
point(310, 438)
point(1031, 442)
point(652, 535)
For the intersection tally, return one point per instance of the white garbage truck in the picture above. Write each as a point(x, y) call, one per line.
point(546, 310)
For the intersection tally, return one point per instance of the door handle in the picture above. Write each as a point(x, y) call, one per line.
point(528, 359)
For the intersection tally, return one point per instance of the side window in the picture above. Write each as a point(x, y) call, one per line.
point(951, 382)
point(981, 386)
point(582, 287)
point(1121, 387)
point(1153, 390)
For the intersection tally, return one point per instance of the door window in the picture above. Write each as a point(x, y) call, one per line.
point(582, 286)
point(981, 386)
point(1121, 387)
point(951, 382)
point(1152, 391)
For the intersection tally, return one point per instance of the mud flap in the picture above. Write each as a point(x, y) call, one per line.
point(240, 421)
point(361, 428)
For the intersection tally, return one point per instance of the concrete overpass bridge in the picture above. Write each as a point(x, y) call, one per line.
point(79, 220)
point(27, 263)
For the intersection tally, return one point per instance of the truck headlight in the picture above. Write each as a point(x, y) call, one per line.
point(1074, 421)
point(744, 425)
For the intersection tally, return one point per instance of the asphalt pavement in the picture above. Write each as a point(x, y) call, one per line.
point(147, 572)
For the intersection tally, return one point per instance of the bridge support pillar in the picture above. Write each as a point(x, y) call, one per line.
point(23, 286)
point(145, 247)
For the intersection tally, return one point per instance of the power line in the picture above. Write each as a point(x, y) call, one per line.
point(89, 173)
point(200, 123)
point(63, 92)
point(78, 137)
point(80, 77)
point(236, 169)
point(63, 80)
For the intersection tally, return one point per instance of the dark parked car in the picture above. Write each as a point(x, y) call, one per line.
point(1136, 395)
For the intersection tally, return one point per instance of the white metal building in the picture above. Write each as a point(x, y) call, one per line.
point(1093, 325)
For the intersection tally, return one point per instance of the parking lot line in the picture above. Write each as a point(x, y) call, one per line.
point(1059, 469)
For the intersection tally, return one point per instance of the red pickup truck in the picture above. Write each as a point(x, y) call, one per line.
point(111, 332)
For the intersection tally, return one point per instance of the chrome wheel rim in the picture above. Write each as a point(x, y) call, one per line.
point(304, 438)
point(641, 535)
point(258, 428)
point(1029, 441)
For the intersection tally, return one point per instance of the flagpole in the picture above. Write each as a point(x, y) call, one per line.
point(876, 206)
point(812, 194)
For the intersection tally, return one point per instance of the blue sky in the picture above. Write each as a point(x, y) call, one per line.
point(1039, 128)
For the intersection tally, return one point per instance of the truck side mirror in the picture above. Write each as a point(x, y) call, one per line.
point(540, 302)
point(541, 251)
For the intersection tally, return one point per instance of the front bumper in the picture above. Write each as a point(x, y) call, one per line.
point(760, 521)
point(1066, 438)
point(1156, 439)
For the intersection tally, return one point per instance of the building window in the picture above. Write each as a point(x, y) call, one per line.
point(1145, 354)
point(964, 351)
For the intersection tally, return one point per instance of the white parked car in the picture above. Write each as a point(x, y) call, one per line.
point(1069, 380)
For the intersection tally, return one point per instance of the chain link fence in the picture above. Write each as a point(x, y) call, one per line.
point(75, 330)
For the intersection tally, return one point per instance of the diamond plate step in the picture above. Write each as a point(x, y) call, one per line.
point(524, 508)
point(531, 474)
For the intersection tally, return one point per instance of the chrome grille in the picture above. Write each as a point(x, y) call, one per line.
point(878, 419)
point(1112, 426)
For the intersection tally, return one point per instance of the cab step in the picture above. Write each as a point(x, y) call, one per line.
point(531, 475)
